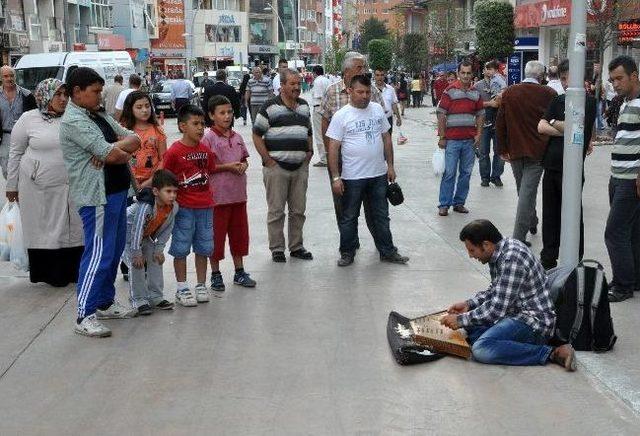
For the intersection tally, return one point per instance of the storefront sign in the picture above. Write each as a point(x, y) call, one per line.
point(170, 25)
point(514, 68)
point(226, 19)
point(266, 49)
point(545, 13)
point(628, 32)
point(111, 42)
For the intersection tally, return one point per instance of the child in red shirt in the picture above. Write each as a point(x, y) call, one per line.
point(192, 163)
point(230, 195)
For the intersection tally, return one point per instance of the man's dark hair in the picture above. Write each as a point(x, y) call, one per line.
point(163, 178)
point(361, 79)
point(283, 61)
point(625, 62)
point(318, 70)
point(187, 111)
point(215, 101)
point(135, 81)
point(221, 75)
point(479, 231)
point(118, 79)
point(82, 77)
point(563, 67)
point(205, 74)
point(464, 63)
point(492, 65)
point(452, 73)
point(127, 118)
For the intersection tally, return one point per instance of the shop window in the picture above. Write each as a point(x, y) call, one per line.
point(261, 31)
point(222, 33)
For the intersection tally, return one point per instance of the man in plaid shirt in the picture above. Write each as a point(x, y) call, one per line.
point(511, 322)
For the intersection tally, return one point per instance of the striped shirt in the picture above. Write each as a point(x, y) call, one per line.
point(286, 131)
point(261, 90)
point(625, 156)
point(461, 107)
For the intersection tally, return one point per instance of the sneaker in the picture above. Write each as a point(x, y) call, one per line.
point(484, 183)
point(90, 326)
point(242, 278)
point(217, 284)
point(164, 305)
point(320, 164)
point(202, 293)
point(345, 259)
point(116, 311)
point(145, 310)
point(186, 298)
point(395, 258)
point(564, 356)
point(497, 182)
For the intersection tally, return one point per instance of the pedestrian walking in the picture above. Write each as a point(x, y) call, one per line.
point(416, 90)
point(320, 85)
point(460, 119)
point(283, 64)
point(390, 98)
point(229, 184)
point(150, 221)
point(359, 132)
point(221, 87)
point(14, 101)
point(490, 88)
point(439, 86)
point(402, 90)
point(622, 234)
point(96, 151)
point(259, 90)
point(519, 143)
point(181, 92)
point(194, 163)
point(38, 179)
point(554, 81)
point(552, 125)
point(283, 136)
point(110, 95)
point(135, 82)
point(243, 104)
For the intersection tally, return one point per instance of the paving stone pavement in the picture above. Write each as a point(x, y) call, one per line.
point(306, 351)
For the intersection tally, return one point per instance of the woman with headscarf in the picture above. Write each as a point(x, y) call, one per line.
point(37, 178)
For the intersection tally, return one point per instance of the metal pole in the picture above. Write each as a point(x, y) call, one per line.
point(574, 138)
point(296, 31)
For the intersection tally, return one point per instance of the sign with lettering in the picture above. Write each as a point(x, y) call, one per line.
point(226, 19)
point(267, 49)
point(628, 32)
point(170, 25)
point(514, 68)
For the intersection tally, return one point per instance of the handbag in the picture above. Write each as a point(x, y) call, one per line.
point(394, 194)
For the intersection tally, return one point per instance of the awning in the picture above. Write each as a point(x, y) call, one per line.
point(312, 49)
point(445, 67)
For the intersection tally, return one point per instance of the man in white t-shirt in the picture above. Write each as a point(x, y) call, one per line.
point(390, 98)
point(359, 133)
point(135, 82)
point(283, 64)
point(320, 85)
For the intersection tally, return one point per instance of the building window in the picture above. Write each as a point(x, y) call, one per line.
point(35, 33)
point(100, 13)
point(227, 5)
point(222, 33)
point(261, 31)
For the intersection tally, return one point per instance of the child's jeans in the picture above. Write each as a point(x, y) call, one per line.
point(146, 285)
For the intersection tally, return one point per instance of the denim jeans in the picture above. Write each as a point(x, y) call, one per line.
point(459, 158)
point(489, 170)
point(374, 191)
point(508, 342)
point(622, 234)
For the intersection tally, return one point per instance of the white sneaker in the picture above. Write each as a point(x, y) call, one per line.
point(186, 298)
point(116, 311)
point(202, 293)
point(90, 326)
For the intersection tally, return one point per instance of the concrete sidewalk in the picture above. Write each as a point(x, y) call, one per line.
point(306, 351)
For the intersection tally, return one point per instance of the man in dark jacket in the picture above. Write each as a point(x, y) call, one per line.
point(220, 87)
point(14, 101)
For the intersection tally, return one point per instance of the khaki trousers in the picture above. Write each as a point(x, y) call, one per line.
point(285, 188)
point(317, 134)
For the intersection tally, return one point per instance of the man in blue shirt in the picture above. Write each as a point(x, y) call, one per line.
point(181, 92)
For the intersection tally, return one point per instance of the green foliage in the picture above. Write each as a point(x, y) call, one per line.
point(333, 57)
point(372, 29)
point(414, 52)
point(494, 29)
point(380, 54)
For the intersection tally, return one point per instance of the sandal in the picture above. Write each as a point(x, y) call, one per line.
point(278, 256)
point(302, 254)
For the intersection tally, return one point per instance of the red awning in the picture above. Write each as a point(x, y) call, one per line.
point(312, 49)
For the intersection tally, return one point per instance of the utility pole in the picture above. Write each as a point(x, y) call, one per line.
point(574, 138)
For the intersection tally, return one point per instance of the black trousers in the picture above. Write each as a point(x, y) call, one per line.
point(551, 219)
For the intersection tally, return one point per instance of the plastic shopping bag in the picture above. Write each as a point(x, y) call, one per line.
point(4, 233)
point(402, 139)
point(17, 250)
point(438, 161)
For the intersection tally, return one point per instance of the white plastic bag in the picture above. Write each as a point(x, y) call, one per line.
point(4, 233)
point(438, 161)
point(17, 250)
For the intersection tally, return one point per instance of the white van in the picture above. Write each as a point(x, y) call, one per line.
point(31, 69)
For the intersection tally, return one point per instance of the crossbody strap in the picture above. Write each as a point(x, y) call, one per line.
point(577, 321)
point(595, 301)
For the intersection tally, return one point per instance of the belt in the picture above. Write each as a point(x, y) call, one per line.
point(6, 131)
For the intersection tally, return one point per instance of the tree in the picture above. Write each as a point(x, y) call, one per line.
point(444, 21)
point(414, 52)
point(380, 54)
point(494, 29)
point(334, 56)
point(372, 29)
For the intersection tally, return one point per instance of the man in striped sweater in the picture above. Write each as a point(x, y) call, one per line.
point(622, 234)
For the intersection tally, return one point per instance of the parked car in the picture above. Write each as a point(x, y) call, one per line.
point(161, 97)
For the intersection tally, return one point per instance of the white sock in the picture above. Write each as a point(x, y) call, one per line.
point(182, 286)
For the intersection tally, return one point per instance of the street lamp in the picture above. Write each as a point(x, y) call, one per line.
point(296, 23)
point(269, 8)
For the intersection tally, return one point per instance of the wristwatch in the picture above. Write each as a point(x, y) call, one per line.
point(552, 122)
point(335, 179)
